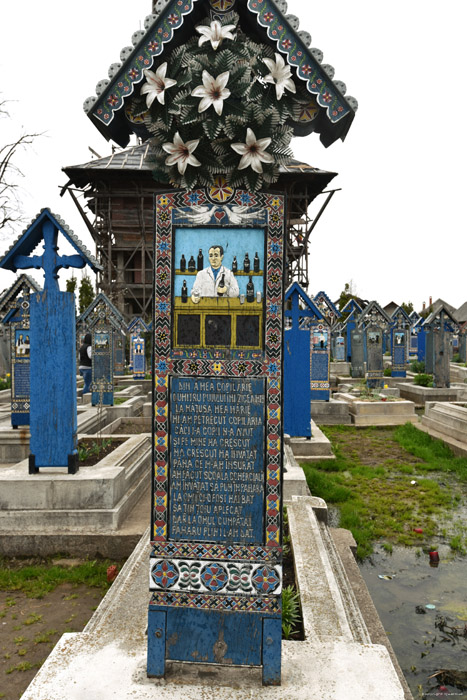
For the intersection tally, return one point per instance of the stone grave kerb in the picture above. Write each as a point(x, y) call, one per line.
point(53, 411)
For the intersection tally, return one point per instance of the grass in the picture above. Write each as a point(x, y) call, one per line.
point(37, 580)
point(370, 483)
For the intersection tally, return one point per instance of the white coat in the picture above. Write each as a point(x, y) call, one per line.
point(206, 286)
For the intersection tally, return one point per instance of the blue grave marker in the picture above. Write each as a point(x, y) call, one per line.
point(136, 329)
point(102, 319)
point(216, 528)
point(399, 332)
point(14, 311)
point(350, 313)
point(139, 358)
point(119, 352)
point(53, 419)
point(374, 321)
point(301, 320)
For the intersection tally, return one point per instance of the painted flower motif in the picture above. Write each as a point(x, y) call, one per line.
point(268, 17)
point(156, 85)
point(280, 75)
point(253, 152)
point(215, 33)
point(212, 91)
point(181, 153)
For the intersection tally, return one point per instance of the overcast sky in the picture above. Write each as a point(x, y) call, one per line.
point(396, 228)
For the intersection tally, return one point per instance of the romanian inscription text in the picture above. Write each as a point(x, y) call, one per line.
point(216, 459)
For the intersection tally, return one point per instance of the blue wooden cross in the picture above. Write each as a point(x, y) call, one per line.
point(53, 412)
point(50, 261)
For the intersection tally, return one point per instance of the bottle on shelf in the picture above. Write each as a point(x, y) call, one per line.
point(250, 291)
point(182, 264)
point(191, 265)
point(200, 261)
point(221, 284)
point(184, 292)
point(256, 263)
point(246, 263)
point(234, 265)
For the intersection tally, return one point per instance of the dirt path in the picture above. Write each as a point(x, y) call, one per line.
point(30, 628)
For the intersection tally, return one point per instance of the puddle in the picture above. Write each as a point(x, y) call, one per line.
point(403, 583)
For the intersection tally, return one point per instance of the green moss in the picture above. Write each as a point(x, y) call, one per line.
point(36, 581)
point(377, 500)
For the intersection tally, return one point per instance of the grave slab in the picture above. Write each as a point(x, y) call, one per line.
point(421, 394)
point(331, 664)
point(332, 412)
point(381, 412)
point(311, 449)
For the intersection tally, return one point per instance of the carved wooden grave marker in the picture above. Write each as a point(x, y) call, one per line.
point(440, 325)
point(215, 569)
point(102, 319)
point(374, 321)
point(14, 310)
point(302, 375)
point(399, 332)
point(53, 420)
point(136, 328)
point(350, 313)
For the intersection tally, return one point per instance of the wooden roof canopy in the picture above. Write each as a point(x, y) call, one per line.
point(265, 21)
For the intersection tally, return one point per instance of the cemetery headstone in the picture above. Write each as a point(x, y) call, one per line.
point(15, 344)
point(119, 352)
point(357, 357)
point(216, 531)
point(102, 319)
point(53, 413)
point(20, 361)
point(136, 329)
point(339, 352)
point(441, 325)
point(375, 321)
point(350, 313)
point(301, 320)
point(399, 333)
point(463, 342)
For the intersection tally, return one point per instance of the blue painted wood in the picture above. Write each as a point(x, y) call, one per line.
point(53, 420)
point(211, 636)
point(297, 391)
point(339, 352)
point(102, 365)
point(272, 633)
point(421, 345)
point(17, 319)
point(119, 353)
point(157, 632)
point(138, 357)
point(53, 378)
point(302, 364)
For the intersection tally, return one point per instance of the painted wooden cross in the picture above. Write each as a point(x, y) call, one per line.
point(50, 261)
point(53, 411)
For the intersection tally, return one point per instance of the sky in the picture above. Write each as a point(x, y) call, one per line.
point(395, 230)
